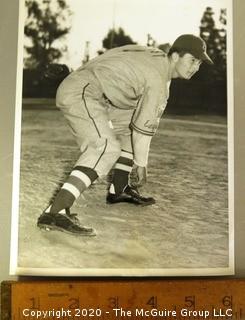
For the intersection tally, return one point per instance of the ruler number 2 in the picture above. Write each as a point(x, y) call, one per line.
point(74, 303)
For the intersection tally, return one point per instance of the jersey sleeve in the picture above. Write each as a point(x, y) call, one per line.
point(149, 110)
point(141, 147)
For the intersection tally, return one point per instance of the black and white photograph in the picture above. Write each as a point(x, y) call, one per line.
point(123, 156)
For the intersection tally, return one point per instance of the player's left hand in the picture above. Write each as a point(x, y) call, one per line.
point(140, 176)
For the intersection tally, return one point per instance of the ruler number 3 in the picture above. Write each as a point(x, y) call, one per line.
point(113, 302)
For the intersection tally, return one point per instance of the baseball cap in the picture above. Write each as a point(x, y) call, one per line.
point(193, 45)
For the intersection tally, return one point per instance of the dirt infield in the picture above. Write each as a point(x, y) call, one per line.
point(186, 228)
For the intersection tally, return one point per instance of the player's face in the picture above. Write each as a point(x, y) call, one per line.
point(187, 66)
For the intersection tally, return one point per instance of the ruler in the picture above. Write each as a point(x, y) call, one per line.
point(124, 299)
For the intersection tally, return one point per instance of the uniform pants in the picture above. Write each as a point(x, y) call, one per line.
point(100, 129)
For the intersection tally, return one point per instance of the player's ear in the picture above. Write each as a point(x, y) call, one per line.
point(175, 57)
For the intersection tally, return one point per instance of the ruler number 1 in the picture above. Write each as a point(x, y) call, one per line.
point(35, 304)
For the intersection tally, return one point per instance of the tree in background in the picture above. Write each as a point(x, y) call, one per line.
point(165, 47)
point(116, 38)
point(216, 41)
point(151, 42)
point(47, 21)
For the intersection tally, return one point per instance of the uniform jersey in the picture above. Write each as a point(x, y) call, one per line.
point(134, 77)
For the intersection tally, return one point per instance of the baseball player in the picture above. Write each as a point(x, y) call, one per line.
point(113, 106)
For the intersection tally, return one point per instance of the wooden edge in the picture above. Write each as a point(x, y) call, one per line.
point(7, 285)
point(5, 304)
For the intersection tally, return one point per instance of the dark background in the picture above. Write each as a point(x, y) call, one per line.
point(205, 93)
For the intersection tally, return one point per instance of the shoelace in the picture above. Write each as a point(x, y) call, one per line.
point(72, 216)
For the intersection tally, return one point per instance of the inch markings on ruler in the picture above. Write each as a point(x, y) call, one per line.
point(124, 299)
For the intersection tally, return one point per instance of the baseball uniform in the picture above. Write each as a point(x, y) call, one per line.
point(123, 90)
point(113, 106)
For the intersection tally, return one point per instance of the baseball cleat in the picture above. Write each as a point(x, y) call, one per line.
point(130, 195)
point(68, 223)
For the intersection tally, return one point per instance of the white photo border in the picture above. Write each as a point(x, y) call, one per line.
point(190, 272)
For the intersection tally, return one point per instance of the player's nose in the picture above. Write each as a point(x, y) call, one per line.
point(196, 66)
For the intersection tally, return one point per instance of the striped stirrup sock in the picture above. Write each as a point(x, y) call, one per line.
point(122, 170)
point(79, 180)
